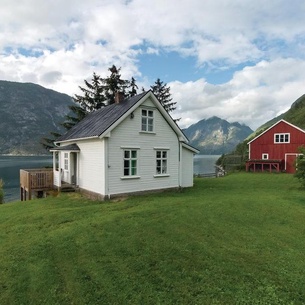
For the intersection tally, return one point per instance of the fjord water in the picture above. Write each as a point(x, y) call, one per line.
point(11, 165)
point(205, 164)
point(9, 172)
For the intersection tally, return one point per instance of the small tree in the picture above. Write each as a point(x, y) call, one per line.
point(300, 166)
point(1, 191)
point(132, 87)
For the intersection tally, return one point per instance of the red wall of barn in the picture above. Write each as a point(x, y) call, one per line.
point(264, 144)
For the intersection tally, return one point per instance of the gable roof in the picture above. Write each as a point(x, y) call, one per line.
point(100, 122)
point(71, 147)
point(95, 123)
point(282, 120)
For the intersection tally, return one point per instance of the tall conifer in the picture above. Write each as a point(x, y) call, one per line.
point(162, 92)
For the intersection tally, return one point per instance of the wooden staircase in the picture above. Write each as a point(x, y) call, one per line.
point(68, 188)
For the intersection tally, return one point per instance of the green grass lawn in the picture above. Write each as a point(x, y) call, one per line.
point(232, 240)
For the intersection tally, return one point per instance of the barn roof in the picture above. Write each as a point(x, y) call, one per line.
point(282, 120)
point(97, 122)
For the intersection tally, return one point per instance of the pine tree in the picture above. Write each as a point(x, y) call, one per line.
point(93, 97)
point(133, 88)
point(96, 94)
point(113, 84)
point(162, 92)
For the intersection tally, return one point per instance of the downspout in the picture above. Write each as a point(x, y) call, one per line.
point(106, 162)
point(59, 169)
point(180, 163)
point(54, 167)
point(77, 168)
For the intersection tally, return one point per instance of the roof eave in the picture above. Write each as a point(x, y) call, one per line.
point(191, 148)
point(169, 119)
point(75, 139)
point(282, 120)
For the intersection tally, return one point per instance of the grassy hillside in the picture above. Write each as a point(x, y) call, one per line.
point(295, 115)
point(232, 240)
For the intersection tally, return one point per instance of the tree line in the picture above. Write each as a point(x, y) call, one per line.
point(100, 92)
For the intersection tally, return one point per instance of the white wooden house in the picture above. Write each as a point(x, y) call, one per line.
point(131, 146)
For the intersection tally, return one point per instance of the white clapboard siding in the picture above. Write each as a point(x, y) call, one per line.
point(128, 135)
point(187, 167)
point(92, 165)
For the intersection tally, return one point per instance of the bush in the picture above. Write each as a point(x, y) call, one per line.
point(300, 166)
point(1, 191)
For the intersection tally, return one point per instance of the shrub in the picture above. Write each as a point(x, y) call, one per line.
point(300, 166)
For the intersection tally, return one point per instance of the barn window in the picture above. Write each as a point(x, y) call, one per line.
point(147, 120)
point(282, 138)
point(265, 156)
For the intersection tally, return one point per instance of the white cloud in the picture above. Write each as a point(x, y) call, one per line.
point(58, 44)
point(253, 96)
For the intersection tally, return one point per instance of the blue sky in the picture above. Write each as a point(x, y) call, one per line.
point(241, 60)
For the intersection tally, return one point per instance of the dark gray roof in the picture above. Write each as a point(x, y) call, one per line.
point(97, 122)
point(72, 147)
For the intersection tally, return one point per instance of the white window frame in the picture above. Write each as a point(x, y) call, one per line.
point(130, 163)
point(147, 120)
point(265, 156)
point(66, 161)
point(162, 156)
point(280, 138)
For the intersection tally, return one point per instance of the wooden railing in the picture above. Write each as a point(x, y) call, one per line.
point(35, 180)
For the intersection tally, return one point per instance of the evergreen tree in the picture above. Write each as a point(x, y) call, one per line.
point(48, 142)
point(96, 94)
point(132, 88)
point(113, 84)
point(93, 97)
point(162, 92)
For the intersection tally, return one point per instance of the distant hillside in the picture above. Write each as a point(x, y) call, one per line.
point(29, 112)
point(215, 136)
point(295, 115)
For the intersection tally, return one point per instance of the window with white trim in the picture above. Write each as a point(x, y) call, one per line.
point(282, 138)
point(265, 156)
point(130, 162)
point(66, 161)
point(147, 120)
point(161, 162)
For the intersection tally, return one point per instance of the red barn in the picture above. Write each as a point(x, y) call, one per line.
point(276, 148)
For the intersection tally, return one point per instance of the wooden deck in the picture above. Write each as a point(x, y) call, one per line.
point(38, 180)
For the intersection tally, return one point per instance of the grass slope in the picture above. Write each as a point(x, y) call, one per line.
point(232, 240)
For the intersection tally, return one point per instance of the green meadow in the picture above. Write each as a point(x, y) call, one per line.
point(239, 239)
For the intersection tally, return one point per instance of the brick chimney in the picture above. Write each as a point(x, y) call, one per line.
point(119, 97)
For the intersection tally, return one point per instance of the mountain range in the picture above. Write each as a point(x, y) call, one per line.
point(215, 136)
point(28, 113)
